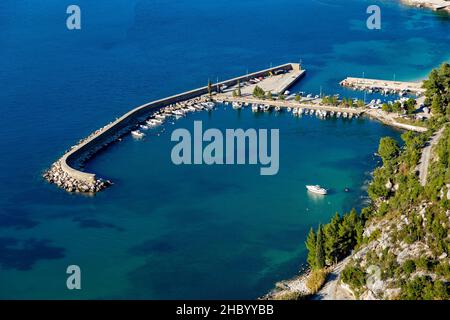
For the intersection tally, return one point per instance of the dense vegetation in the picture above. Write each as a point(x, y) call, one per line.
point(408, 106)
point(397, 195)
point(345, 102)
point(438, 90)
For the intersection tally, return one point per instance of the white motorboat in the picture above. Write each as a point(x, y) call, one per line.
point(160, 116)
point(289, 109)
point(143, 127)
point(208, 105)
point(236, 105)
point(153, 122)
point(137, 134)
point(277, 108)
point(255, 108)
point(317, 189)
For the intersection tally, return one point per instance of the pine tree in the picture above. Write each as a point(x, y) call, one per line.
point(436, 105)
point(320, 254)
point(311, 246)
point(331, 234)
point(347, 232)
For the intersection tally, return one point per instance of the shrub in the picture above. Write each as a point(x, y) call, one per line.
point(316, 280)
point(290, 295)
point(409, 267)
point(423, 288)
point(355, 277)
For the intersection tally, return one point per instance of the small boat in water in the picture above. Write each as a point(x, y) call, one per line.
point(209, 105)
point(255, 108)
point(277, 108)
point(143, 127)
point(137, 134)
point(160, 116)
point(236, 105)
point(177, 112)
point(153, 122)
point(317, 189)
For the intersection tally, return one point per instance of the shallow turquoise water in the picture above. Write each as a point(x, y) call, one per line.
point(165, 231)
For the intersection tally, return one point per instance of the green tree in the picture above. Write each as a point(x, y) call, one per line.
point(297, 97)
point(258, 92)
point(410, 105)
point(437, 89)
point(355, 277)
point(396, 106)
point(388, 149)
point(386, 107)
point(269, 95)
point(311, 246)
point(239, 93)
point(331, 245)
point(436, 105)
point(320, 254)
point(347, 232)
point(281, 96)
point(360, 103)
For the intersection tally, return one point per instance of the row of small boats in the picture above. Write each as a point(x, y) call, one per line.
point(304, 111)
point(176, 110)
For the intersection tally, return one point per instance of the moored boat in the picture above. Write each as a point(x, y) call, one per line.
point(317, 189)
point(137, 134)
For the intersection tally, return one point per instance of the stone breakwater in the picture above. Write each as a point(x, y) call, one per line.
point(63, 180)
point(65, 171)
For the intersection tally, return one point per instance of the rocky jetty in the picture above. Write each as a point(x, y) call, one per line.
point(67, 181)
point(63, 180)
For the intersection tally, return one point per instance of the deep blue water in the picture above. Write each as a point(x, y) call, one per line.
point(190, 231)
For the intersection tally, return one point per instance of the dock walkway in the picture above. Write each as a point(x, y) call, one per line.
point(289, 104)
point(383, 85)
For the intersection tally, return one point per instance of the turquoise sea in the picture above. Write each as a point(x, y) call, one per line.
point(165, 231)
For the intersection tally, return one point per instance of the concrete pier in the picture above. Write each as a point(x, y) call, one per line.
point(383, 85)
point(291, 104)
point(65, 173)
